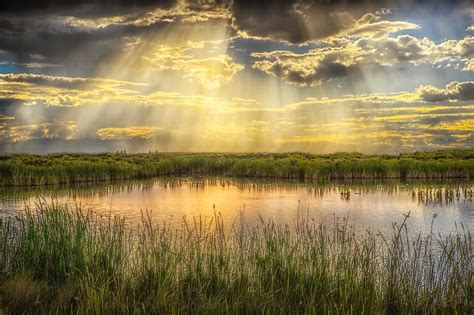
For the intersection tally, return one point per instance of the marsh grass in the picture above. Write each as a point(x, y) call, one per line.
point(28, 170)
point(54, 259)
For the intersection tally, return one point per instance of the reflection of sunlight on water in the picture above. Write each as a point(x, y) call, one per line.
point(366, 205)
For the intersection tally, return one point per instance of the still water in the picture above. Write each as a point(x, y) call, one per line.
point(365, 205)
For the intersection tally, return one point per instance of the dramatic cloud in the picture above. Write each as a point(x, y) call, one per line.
point(310, 69)
point(129, 133)
point(300, 22)
point(211, 71)
point(62, 81)
point(33, 89)
point(371, 25)
point(77, 38)
point(181, 12)
point(234, 75)
point(469, 65)
point(455, 91)
point(28, 65)
point(53, 130)
point(329, 62)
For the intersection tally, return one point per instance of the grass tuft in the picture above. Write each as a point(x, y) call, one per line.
point(56, 259)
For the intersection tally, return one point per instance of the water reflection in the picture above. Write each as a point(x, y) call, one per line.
point(370, 205)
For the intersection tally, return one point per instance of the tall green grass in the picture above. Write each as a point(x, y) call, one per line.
point(59, 260)
point(72, 168)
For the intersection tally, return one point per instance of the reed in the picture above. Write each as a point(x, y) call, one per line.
point(55, 259)
point(73, 168)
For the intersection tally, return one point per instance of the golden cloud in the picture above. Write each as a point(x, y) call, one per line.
point(52, 130)
point(126, 133)
point(459, 125)
point(454, 91)
point(220, 122)
point(343, 55)
point(183, 11)
point(352, 138)
point(33, 89)
point(212, 72)
point(372, 25)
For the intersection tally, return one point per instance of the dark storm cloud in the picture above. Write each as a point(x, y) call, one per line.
point(295, 21)
point(74, 50)
point(38, 27)
point(39, 4)
point(271, 20)
point(67, 34)
point(326, 70)
point(57, 44)
point(302, 21)
point(32, 5)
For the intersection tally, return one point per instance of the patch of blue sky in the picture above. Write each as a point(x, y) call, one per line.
point(439, 23)
point(7, 63)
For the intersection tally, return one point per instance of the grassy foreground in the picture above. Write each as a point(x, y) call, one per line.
point(72, 168)
point(59, 260)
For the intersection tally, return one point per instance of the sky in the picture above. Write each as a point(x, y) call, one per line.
point(318, 76)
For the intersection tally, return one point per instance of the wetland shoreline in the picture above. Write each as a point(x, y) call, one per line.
point(35, 170)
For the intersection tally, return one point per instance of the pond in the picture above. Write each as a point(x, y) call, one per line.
point(374, 206)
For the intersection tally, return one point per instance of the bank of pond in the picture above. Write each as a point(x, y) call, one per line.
point(20, 169)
